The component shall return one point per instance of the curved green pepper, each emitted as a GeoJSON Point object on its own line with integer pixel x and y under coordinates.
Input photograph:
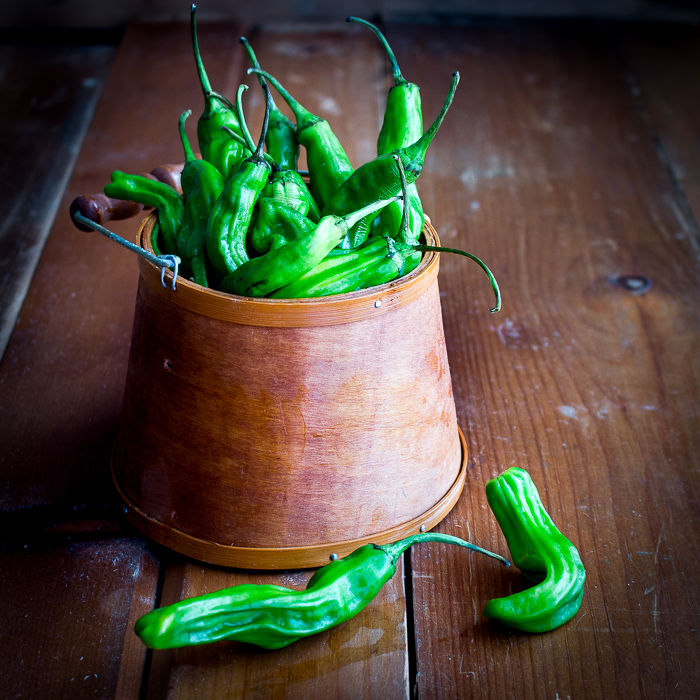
{"type": "Point", "coordinates": [202, 183]}
{"type": "Point", "coordinates": [540, 551]}
{"type": "Point", "coordinates": [274, 616]}
{"type": "Point", "coordinates": [163, 198]}
{"type": "Point", "coordinates": [375, 262]}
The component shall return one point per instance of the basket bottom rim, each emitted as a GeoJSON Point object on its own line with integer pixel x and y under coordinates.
{"type": "Point", "coordinates": [274, 558]}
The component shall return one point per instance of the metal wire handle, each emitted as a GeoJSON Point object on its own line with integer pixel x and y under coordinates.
{"type": "Point", "coordinates": [162, 261]}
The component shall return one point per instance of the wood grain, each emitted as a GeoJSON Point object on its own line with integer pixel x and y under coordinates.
{"type": "Point", "coordinates": [663, 62]}
{"type": "Point", "coordinates": [49, 95]}
{"type": "Point", "coordinates": [66, 626]}
{"type": "Point", "coordinates": [272, 558]}
{"type": "Point", "coordinates": [557, 185]}
{"type": "Point", "coordinates": [564, 178]}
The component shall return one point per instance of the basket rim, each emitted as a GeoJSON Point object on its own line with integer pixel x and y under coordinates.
{"type": "Point", "coordinates": [314, 311]}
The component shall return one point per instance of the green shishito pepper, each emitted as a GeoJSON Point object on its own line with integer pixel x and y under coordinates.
{"type": "Point", "coordinates": [202, 184]}
{"type": "Point", "coordinates": [402, 125]}
{"type": "Point", "coordinates": [262, 275]}
{"type": "Point", "coordinates": [379, 178]}
{"type": "Point", "coordinates": [163, 198]}
{"type": "Point", "coordinates": [275, 225]}
{"type": "Point", "coordinates": [288, 187]}
{"type": "Point", "coordinates": [216, 147]}
{"type": "Point", "coordinates": [329, 165]}
{"type": "Point", "coordinates": [281, 139]}
{"type": "Point", "coordinates": [232, 213]}
{"type": "Point", "coordinates": [273, 617]}
{"type": "Point", "coordinates": [540, 551]}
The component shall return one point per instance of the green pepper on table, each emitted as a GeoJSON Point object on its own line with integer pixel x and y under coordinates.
{"type": "Point", "coordinates": [540, 551]}
{"type": "Point", "coordinates": [273, 617]}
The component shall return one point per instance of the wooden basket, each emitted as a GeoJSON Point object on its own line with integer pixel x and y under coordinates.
{"type": "Point", "coordinates": [268, 434]}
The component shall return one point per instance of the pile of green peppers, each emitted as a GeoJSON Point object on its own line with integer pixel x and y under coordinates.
{"type": "Point", "coordinates": [247, 222]}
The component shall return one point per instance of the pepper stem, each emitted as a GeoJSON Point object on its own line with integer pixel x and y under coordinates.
{"type": "Point", "coordinates": [351, 219]}
{"type": "Point", "coordinates": [263, 132]}
{"type": "Point", "coordinates": [236, 137]}
{"type": "Point", "coordinates": [396, 549]}
{"type": "Point", "coordinates": [189, 153]}
{"type": "Point", "coordinates": [239, 139]}
{"type": "Point", "coordinates": [304, 118]}
{"type": "Point", "coordinates": [412, 156]}
{"type": "Point", "coordinates": [398, 77]}
{"type": "Point", "coordinates": [241, 118]}
{"type": "Point", "coordinates": [404, 193]}
{"type": "Point", "coordinates": [257, 150]}
{"type": "Point", "coordinates": [256, 64]}
{"type": "Point", "coordinates": [480, 263]}
{"type": "Point", "coordinates": [203, 78]}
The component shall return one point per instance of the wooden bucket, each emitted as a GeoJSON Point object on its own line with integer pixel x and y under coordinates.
{"type": "Point", "coordinates": [269, 434]}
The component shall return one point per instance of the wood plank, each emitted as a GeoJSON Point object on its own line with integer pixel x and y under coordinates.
{"type": "Point", "coordinates": [664, 64]}
{"type": "Point", "coordinates": [545, 169]}
{"type": "Point", "coordinates": [66, 627]}
{"type": "Point", "coordinates": [364, 657]}
{"type": "Point", "coordinates": [62, 378]}
{"type": "Point", "coordinates": [49, 95]}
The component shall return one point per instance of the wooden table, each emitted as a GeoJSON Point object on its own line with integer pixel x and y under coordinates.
{"type": "Point", "coordinates": [569, 162]}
